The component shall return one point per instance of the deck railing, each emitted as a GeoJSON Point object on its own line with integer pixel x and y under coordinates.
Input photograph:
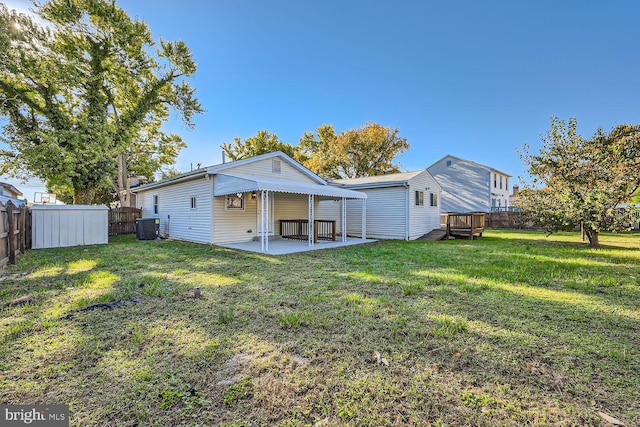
{"type": "Point", "coordinates": [464, 224]}
{"type": "Point", "coordinates": [298, 229]}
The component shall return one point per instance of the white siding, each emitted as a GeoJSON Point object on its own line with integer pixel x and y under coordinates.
{"type": "Point", "coordinates": [290, 206]}
{"type": "Point", "coordinates": [465, 186]}
{"type": "Point", "coordinates": [264, 168]}
{"type": "Point", "coordinates": [331, 210]}
{"type": "Point", "coordinates": [423, 219]}
{"type": "Point", "coordinates": [235, 225]}
{"type": "Point", "coordinates": [386, 213]}
{"type": "Point", "coordinates": [177, 219]}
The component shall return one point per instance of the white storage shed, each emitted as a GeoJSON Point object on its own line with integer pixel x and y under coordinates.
{"type": "Point", "coordinates": [56, 226]}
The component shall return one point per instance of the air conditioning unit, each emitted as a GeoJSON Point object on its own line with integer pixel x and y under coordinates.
{"type": "Point", "coordinates": [147, 228]}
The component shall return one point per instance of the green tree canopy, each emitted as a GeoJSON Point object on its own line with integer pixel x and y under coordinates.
{"type": "Point", "coordinates": [578, 181]}
{"type": "Point", "coordinates": [86, 94]}
{"type": "Point", "coordinates": [263, 142]}
{"type": "Point", "coordinates": [367, 151]}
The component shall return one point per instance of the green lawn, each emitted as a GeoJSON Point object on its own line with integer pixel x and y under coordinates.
{"type": "Point", "coordinates": [513, 329]}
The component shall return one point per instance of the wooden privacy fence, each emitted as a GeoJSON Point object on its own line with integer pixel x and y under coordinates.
{"type": "Point", "coordinates": [15, 232]}
{"type": "Point", "coordinates": [123, 220]}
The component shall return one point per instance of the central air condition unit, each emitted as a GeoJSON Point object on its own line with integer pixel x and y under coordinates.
{"type": "Point", "coordinates": [147, 228]}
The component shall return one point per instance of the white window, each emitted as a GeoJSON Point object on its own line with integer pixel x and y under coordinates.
{"type": "Point", "coordinates": [155, 204]}
{"type": "Point", "coordinates": [194, 204]}
{"type": "Point", "coordinates": [433, 198]}
{"type": "Point", "coordinates": [419, 198]}
{"type": "Point", "coordinates": [235, 202]}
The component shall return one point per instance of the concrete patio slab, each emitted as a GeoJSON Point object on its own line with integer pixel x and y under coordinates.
{"type": "Point", "coordinates": [285, 246]}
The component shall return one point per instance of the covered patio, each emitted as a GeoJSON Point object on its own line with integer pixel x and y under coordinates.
{"type": "Point", "coordinates": [285, 246]}
{"type": "Point", "coordinates": [305, 237]}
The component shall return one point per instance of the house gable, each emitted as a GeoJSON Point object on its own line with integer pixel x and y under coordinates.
{"type": "Point", "coordinates": [276, 165]}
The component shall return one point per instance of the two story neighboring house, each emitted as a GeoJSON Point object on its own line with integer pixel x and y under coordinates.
{"type": "Point", "coordinates": [9, 193]}
{"type": "Point", "coordinates": [468, 186]}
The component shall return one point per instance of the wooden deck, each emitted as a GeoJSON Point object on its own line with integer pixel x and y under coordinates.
{"type": "Point", "coordinates": [298, 229]}
{"type": "Point", "coordinates": [466, 225]}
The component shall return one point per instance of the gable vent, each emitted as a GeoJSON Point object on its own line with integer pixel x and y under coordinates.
{"type": "Point", "coordinates": [276, 166]}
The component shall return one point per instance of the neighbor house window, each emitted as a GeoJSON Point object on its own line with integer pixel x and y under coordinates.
{"type": "Point", "coordinates": [276, 166]}
{"type": "Point", "coordinates": [419, 198]}
{"type": "Point", "coordinates": [495, 181]}
{"type": "Point", "coordinates": [501, 182]}
{"type": "Point", "coordinates": [433, 199]}
{"type": "Point", "coordinates": [448, 162]}
{"type": "Point", "coordinates": [155, 204]}
{"type": "Point", "coordinates": [235, 201]}
{"type": "Point", "coordinates": [193, 202]}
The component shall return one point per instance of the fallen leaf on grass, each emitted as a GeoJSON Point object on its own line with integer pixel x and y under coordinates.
{"type": "Point", "coordinates": [530, 367]}
{"type": "Point", "coordinates": [610, 419]}
{"type": "Point", "coordinates": [380, 360]}
{"type": "Point", "coordinates": [457, 354]}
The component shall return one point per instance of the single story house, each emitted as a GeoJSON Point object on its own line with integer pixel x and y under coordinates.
{"type": "Point", "coordinates": [399, 206]}
{"type": "Point", "coordinates": [468, 186]}
{"type": "Point", "coordinates": [256, 198]}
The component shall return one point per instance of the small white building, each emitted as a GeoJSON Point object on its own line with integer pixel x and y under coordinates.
{"type": "Point", "coordinates": [399, 206]}
{"type": "Point", "coordinates": [468, 186]}
{"type": "Point", "coordinates": [246, 200]}
{"type": "Point", "coordinates": [58, 226]}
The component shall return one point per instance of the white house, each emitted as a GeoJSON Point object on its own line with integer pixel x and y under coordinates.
{"type": "Point", "coordinates": [9, 193]}
{"type": "Point", "coordinates": [468, 186]}
{"type": "Point", "coordinates": [399, 206]}
{"type": "Point", "coordinates": [257, 198]}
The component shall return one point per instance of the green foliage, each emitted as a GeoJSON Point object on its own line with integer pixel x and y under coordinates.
{"type": "Point", "coordinates": [84, 89]}
{"type": "Point", "coordinates": [237, 392]}
{"type": "Point", "coordinates": [264, 142]}
{"type": "Point", "coordinates": [579, 181]}
{"type": "Point", "coordinates": [225, 315]}
{"type": "Point", "coordinates": [367, 151]}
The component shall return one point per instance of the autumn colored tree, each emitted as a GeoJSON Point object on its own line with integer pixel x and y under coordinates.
{"type": "Point", "coordinates": [367, 151]}
{"type": "Point", "coordinates": [85, 96]}
{"type": "Point", "coordinates": [580, 182]}
{"type": "Point", "coordinates": [263, 142]}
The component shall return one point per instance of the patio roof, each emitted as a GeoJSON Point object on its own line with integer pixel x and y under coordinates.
{"type": "Point", "coordinates": [229, 184]}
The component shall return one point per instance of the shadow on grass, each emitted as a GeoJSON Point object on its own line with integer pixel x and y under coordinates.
{"type": "Point", "coordinates": [462, 340]}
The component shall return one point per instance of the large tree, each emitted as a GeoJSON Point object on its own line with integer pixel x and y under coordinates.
{"type": "Point", "coordinates": [580, 182]}
{"type": "Point", "coordinates": [263, 142]}
{"type": "Point", "coordinates": [85, 96]}
{"type": "Point", "coordinates": [367, 151]}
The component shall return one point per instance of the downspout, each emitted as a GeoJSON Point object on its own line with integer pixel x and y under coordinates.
{"type": "Point", "coordinates": [406, 215]}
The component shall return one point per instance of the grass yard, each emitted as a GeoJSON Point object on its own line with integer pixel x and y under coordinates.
{"type": "Point", "coordinates": [513, 329]}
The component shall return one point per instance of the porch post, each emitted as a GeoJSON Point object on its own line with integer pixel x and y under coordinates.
{"type": "Point", "coordinates": [264, 220]}
{"type": "Point", "coordinates": [311, 222]}
{"type": "Point", "coordinates": [344, 219]}
{"type": "Point", "coordinates": [364, 219]}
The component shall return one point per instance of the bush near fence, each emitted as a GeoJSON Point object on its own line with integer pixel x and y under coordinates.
{"type": "Point", "coordinates": [15, 232]}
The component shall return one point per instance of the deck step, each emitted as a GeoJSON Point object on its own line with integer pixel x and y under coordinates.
{"type": "Point", "coordinates": [434, 235]}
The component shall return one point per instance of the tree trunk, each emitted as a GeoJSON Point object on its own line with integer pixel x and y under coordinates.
{"type": "Point", "coordinates": [123, 182]}
{"type": "Point", "coordinates": [83, 196]}
{"type": "Point", "coordinates": [594, 241]}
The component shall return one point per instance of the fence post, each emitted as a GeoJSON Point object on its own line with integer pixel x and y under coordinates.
{"type": "Point", "coordinates": [11, 234]}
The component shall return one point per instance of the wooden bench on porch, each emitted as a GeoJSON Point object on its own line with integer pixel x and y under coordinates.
{"type": "Point", "coordinates": [463, 224]}
{"type": "Point", "coordinates": [298, 229]}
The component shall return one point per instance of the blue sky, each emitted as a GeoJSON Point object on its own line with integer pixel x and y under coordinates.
{"type": "Point", "coordinates": [476, 79]}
